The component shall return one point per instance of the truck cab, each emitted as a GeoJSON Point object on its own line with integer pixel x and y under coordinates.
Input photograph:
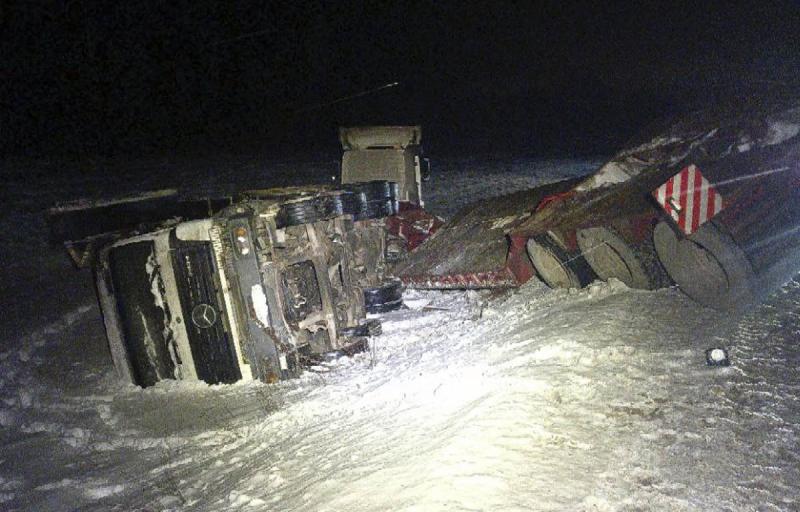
{"type": "Point", "coordinates": [391, 153]}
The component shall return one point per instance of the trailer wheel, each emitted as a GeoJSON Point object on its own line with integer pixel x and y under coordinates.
{"type": "Point", "coordinates": [611, 256]}
{"type": "Point", "coordinates": [708, 266]}
{"type": "Point", "coordinates": [384, 298]}
{"type": "Point", "coordinates": [555, 266]}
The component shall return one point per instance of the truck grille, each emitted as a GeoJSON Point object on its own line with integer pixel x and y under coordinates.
{"type": "Point", "coordinates": [212, 350]}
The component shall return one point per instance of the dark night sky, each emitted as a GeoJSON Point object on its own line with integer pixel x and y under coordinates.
{"type": "Point", "coordinates": [529, 77]}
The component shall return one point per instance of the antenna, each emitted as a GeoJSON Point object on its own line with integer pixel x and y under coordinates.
{"type": "Point", "coordinates": [346, 98]}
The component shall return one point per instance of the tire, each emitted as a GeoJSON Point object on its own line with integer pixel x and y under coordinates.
{"type": "Point", "coordinates": [610, 255]}
{"type": "Point", "coordinates": [384, 298]}
{"type": "Point", "coordinates": [357, 345]}
{"type": "Point", "coordinates": [352, 202]}
{"type": "Point", "coordinates": [708, 266]}
{"type": "Point", "coordinates": [366, 328]}
{"type": "Point", "coordinates": [310, 210]}
{"type": "Point", "coordinates": [376, 199]}
{"type": "Point", "coordinates": [377, 210]}
{"type": "Point", "coordinates": [375, 190]}
{"type": "Point", "coordinates": [555, 266]}
{"type": "Point", "coordinates": [395, 190]}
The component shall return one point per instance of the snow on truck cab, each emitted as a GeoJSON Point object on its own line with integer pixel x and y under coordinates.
{"type": "Point", "coordinates": [228, 298]}
{"type": "Point", "coordinates": [254, 288]}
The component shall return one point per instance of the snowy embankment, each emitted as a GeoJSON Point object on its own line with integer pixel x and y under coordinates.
{"type": "Point", "coordinates": [596, 399]}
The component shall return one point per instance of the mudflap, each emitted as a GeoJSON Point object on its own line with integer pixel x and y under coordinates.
{"type": "Point", "coordinates": [473, 251]}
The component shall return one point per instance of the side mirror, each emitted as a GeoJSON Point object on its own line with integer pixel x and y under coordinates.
{"type": "Point", "coordinates": [426, 169]}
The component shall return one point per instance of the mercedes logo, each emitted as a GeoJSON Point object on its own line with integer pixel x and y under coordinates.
{"type": "Point", "coordinates": [204, 316]}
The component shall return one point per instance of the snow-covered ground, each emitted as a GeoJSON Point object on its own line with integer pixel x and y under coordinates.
{"type": "Point", "coordinates": [597, 399]}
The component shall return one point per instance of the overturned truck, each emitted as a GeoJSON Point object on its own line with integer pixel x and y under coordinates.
{"type": "Point", "coordinates": [257, 284]}
{"type": "Point", "coordinates": [246, 287]}
{"type": "Point", "coordinates": [247, 293]}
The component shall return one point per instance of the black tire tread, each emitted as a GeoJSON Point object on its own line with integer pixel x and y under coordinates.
{"type": "Point", "coordinates": [387, 297]}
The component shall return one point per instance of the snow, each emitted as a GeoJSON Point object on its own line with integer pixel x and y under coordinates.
{"type": "Point", "coordinates": [260, 305]}
{"type": "Point", "coordinates": [782, 127]}
{"type": "Point", "coordinates": [630, 162]}
{"type": "Point", "coordinates": [594, 399]}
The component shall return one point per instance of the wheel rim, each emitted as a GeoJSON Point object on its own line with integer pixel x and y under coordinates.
{"type": "Point", "coordinates": [549, 267]}
{"type": "Point", "coordinates": [609, 256]}
{"type": "Point", "coordinates": [709, 267]}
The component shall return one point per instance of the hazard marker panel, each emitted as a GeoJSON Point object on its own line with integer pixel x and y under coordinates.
{"type": "Point", "coordinates": [689, 199]}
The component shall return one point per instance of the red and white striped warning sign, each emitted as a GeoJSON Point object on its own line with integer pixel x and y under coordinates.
{"type": "Point", "coordinates": [689, 198]}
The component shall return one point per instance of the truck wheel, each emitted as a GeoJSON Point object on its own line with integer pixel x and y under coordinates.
{"type": "Point", "coordinates": [709, 266]}
{"type": "Point", "coordinates": [352, 202]}
{"type": "Point", "coordinates": [377, 209]}
{"type": "Point", "coordinates": [371, 327]}
{"type": "Point", "coordinates": [295, 213]}
{"type": "Point", "coordinates": [610, 255]}
{"type": "Point", "coordinates": [375, 190]}
{"type": "Point", "coordinates": [309, 210]}
{"type": "Point", "coordinates": [555, 266]}
{"type": "Point", "coordinates": [384, 298]}
{"type": "Point", "coordinates": [378, 199]}
{"type": "Point", "coordinates": [357, 344]}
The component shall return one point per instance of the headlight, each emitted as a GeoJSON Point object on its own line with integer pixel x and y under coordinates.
{"type": "Point", "coordinates": [241, 241]}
